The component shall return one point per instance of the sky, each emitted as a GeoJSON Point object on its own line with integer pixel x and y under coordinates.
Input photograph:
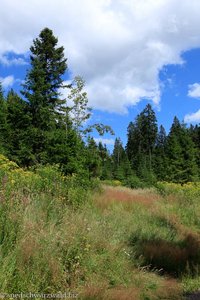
{"type": "Point", "coordinates": [129, 53]}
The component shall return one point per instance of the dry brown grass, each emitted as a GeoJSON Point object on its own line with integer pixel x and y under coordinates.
{"type": "Point", "coordinates": [169, 290]}
{"type": "Point", "coordinates": [29, 247]}
{"type": "Point", "coordinates": [103, 293]}
{"type": "Point", "coordinates": [170, 257]}
{"type": "Point", "coordinates": [125, 197]}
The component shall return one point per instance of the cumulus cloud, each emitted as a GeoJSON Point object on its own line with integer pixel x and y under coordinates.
{"type": "Point", "coordinates": [118, 46]}
{"type": "Point", "coordinates": [194, 90]}
{"type": "Point", "coordinates": [105, 141]}
{"type": "Point", "coordinates": [12, 61]}
{"type": "Point", "coordinates": [193, 118]}
{"type": "Point", "coordinates": [7, 81]}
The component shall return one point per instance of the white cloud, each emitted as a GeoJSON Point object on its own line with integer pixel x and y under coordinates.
{"type": "Point", "coordinates": [12, 61]}
{"type": "Point", "coordinates": [118, 46]}
{"type": "Point", "coordinates": [105, 141]}
{"type": "Point", "coordinates": [193, 118]}
{"type": "Point", "coordinates": [7, 81]}
{"type": "Point", "coordinates": [194, 90]}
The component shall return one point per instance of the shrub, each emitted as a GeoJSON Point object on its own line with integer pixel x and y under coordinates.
{"type": "Point", "coordinates": [134, 182]}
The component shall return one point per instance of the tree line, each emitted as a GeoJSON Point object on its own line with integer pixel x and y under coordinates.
{"type": "Point", "coordinates": [151, 155]}
{"type": "Point", "coordinates": [155, 156]}
{"type": "Point", "coordinates": [39, 127]}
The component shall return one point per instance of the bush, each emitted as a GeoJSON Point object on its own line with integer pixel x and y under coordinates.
{"type": "Point", "coordinates": [134, 182]}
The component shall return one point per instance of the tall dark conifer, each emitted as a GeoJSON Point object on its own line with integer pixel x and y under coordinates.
{"type": "Point", "coordinates": [181, 154]}
{"type": "Point", "coordinates": [106, 162]}
{"type": "Point", "coordinates": [160, 160]}
{"type": "Point", "coordinates": [141, 141]}
{"type": "Point", "coordinates": [194, 132]}
{"type": "Point", "coordinates": [121, 164]}
{"type": "Point", "coordinates": [3, 131]}
{"type": "Point", "coordinates": [148, 127]}
{"type": "Point", "coordinates": [18, 126]}
{"type": "Point", "coordinates": [41, 89]}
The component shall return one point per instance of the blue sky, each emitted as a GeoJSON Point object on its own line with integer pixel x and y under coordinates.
{"type": "Point", "coordinates": [176, 81]}
{"type": "Point", "coordinates": [129, 52]}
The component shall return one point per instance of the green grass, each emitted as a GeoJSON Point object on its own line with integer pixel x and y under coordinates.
{"type": "Point", "coordinates": [62, 233]}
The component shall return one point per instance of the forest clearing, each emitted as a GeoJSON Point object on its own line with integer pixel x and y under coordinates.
{"type": "Point", "coordinates": [104, 242]}
{"type": "Point", "coordinates": [90, 217]}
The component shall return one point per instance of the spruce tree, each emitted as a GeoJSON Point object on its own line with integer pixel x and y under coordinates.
{"type": "Point", "coordinates": [3, 130]}
{"type": "Point", "coordinates": [41, 89]}
{"type": "Point", "coordinates": [160, 160]}
{"type": "Point", "coordinates": [194, 132]}
{"type": "Point", "coordinates": [121, 164]}
{"type": "Point", "coordinates": [148, 128]}
{"type": "Point", "coordinates": [141, 142]}
{"type": "Point", "coordinates": [18, 129]}
{"type": "Point", "coordinates": [181, 154]}
{"type": "Point", "coordinates": [93, 163]}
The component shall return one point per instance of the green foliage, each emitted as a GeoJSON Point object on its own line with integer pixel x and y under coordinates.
{"type": "Point", "coordinates": [41, 89]}
{"type": "Point", "coordinates": [45, 77]}
{"type": "Point", "coordinates": [156, 156]}
{"type": "Point", "coordinates": [181, 154]}
{"type": "Point", "coordinates": [121, 166]}
{"type": "Point", "coordinates": [159, 155]}
{"type": "Point", "coordinates": [141, 141]}
{"type": "Point", "coordinates": [80, 112]}
{"type": "Point", "coordinates": [134, 182]}
{"type": "Point", "coordinates": [45, 129]}
{"type": "Point", "coordinates": [93, 162]}
{"type": "Point", "coordinates": [112, 182]}
{"type": "Point", "coordinates": [18, 122]}
{"type": "Point", "coordinates": [3, 125]}
{"type": "Point", "coordinates": [194, 132]}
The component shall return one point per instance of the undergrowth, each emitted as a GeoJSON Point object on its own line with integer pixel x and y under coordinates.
{"type": "Point", "coordinates": [64, 233]}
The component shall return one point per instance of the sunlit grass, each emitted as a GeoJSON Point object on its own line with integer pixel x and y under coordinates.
{"type": "Point", "coordinates": [57, 234]}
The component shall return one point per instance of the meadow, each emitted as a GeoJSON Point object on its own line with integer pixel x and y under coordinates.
{"type": "Point", "coordinates": [64, 233]}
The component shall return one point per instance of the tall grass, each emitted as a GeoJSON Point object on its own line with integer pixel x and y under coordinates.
{"type": "Point", "coordinates": [61, 233]}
